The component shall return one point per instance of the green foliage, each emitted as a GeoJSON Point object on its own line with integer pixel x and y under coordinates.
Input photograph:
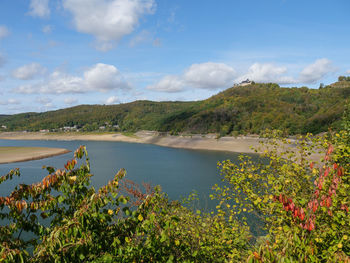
{"type": "Point", "coordinates": [343, 78]}
{"type": "Point", "coordinates": [241, 109]}
{"type": "Point", "coordinates": [298, 189]}
{"type": "Point", "coordinates": [303, 204]}
{"type": "Point", "coordinates": [71, 222]}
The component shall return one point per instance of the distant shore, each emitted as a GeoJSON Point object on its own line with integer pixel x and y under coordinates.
{"type": "Point", "coordinates": [22, 154]}
{"type": "Point", "coordinates": [240, 144]}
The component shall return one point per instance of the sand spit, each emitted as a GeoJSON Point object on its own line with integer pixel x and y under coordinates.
{"type": "Point", "coordinates": [22, 154]}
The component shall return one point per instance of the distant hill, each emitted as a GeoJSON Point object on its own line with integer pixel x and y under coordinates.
{"type": "Point", "coordinates": [240, 109]}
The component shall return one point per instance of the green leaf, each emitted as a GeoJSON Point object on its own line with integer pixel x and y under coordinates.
{"type": "Point", "coordinates": [60, 199]}
{"type": "Point", "coordinates": [171, 259]}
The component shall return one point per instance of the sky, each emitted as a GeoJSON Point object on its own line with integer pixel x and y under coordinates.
{"type": "Point", "coordinates": [60, 53]}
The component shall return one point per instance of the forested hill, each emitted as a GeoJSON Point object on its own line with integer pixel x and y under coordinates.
{"type": "Point", "coordinates": [240, 109]}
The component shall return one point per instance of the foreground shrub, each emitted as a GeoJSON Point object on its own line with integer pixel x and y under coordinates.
{"type": "Point", "coordinates": [69, 221]}
{"type": "Point", "coordinates": [303, 204]}
{"type": "Point", "coordinates": [298, 193]}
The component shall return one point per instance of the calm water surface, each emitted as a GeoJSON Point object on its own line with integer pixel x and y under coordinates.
{"type": "Point", "coordinates": [177, 171]}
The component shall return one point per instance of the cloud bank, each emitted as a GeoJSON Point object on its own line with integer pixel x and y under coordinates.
{"type": "Point", "coordinates": [99, 78]}
{"type": "Point", "coordinates": [39, 8]}
{"type": "Point", "coordinates": [29, 71]}
{"type": "Point", "coordinates": [213, 76]}
{"type": "Point", "coordinates": [70, 101]}
{"type": "Point", "coordinates": [266, 73]}
{"type": "Point", "coordinates": [209, 75]}
{"type": "Point", "coordinates": [170, 83]}
{"type": "Point", "coordinates": [316, 71]}
{"type": "Point", "coordinates": [108, 20]}
{"type": "Point", "coordinates": [112, 100]}
{"type": "Point", "coordinates": [10, 102]}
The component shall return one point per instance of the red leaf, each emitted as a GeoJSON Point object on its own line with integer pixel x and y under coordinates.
{"type": "Point", "coordinates": [311, 165]}
{"type": "Point", "coordinates": [302, 214]}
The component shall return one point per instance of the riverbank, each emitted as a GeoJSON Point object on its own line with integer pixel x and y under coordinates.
{"type": "Point", "coordinates": [22, 154]}
{"type": "Point", "coordinates": [240, 144]}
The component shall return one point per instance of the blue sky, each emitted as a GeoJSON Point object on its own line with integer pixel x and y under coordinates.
{"type": "Point", "coordinates": [60, 53]}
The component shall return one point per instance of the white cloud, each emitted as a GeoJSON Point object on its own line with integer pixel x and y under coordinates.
{"type": "Point", "coordinates": [39, 8]}
{"type": "Point", "coordinates": [209, 76]}
{"type": "Point", "coordinates": [104, 78]}
{"type": "Point", "coordinates": [57, 83]}
{"type": "Point", "coordinates": [108, 20]}
{"type": "Point", "coordinates": [316, 71]}
{"type": "Point", "coordinates": [29, 71]}
{"type": "Point", "coordinates": [267, 73]}
{"type": "Point", "coordinates": [168, 83]}
{"type": "Point", "coordinates": [4, 32]}
{"type": "Point", "coordinates": [112, 100]}
{"type": "Point", "coordinates": [70, 101]}
{"type": "Point", "coordinates": [100, 78]}
{"type": "Point", "coordinates": [348, 71]}
{"type": "Point", "coordinates": [213, 76]}
{"type": "Point", "coordinates": [10, 102]}
{"type": "Point", "coordinates": [43, 100]}
{"type": "Point", "coordinates": [47, 29]}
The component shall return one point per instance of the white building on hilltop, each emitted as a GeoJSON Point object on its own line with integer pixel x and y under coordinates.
{"type": "Point", "coordinates": [244, 83]}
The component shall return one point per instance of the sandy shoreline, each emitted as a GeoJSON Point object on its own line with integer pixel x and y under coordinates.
{"type": "Point", "coordinates": [22, 154]}
{"type": "Point", "coordinates": [240, 144]}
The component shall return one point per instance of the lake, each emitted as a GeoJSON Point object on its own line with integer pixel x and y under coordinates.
{"type": "Point", "coordinates": [177, 171]}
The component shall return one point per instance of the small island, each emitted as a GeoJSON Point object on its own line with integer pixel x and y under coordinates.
{"type": "Point", "coordinates": [21, 154]}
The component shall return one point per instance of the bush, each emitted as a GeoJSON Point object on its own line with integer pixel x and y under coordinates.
{"type": "Point", "coordinates": [71, 222]}
{"type": "Point", "coordinates": [303, 204]}
{"type": "Point", "coordinates": [299, 191]}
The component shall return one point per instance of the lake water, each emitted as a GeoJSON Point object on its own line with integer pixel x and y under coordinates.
{"type": "Point", "coordinates": [177, 171]}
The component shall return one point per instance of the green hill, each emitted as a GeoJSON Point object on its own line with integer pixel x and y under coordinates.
{"type": "Point", "coordinates": [240, 109]}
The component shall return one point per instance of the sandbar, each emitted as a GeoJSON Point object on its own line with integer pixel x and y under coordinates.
{"type": "Point", "coordinates": [22, 154]}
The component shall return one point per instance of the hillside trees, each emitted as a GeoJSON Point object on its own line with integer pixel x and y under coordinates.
{"type": "Point", "coordinates": [343, 78]}
{"type": "Point", "coordinates": [299, 190]}
{"type": "Point", "coordinates": [248, 109]}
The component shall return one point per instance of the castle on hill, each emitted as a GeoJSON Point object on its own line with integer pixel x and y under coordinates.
{"type": "Point", "coordinates": [244, 83]}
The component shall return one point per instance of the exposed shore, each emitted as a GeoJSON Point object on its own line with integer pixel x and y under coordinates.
{"type": "Point", "coordinates": [240, 144]}
{"type": "Point", "coordinates": [22, 154]}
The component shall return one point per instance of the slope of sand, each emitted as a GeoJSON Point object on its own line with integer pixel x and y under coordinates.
{"type": "Point", "coordinates": [203, 142]}
{"type": "Point", "coordinates": [240, 144]}
{"type": "Point", "coordinates": [21, 154]}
